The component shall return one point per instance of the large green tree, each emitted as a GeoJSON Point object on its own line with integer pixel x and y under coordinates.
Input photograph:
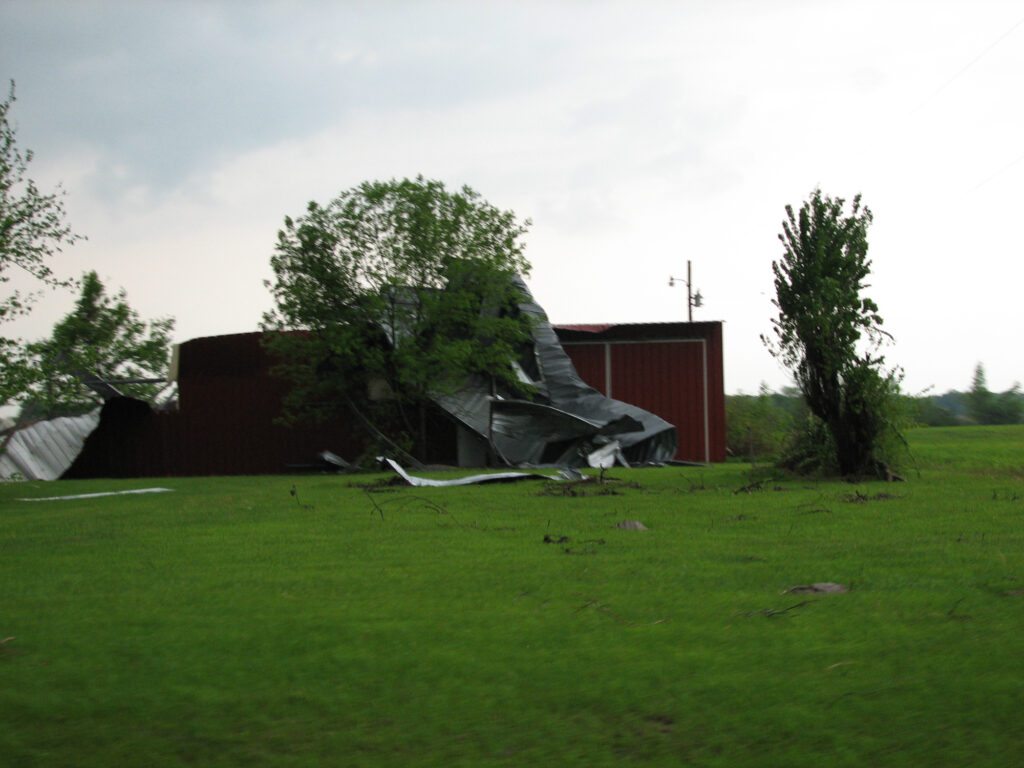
{"type": "Point", "coordinates": [405, 288]}
{"type": "Point", "coordinates": [32, 230]}
{"type": "Point", "coordinates": [102, 340]}
{"type": "Point", "coordinates": [828, 333]}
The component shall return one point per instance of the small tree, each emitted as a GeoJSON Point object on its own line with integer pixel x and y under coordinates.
{"type": "Point", "coordinates": [101, 338]}
{"type": "Point", "coordinates": [32, 231]}
{"type": "Point", "coordinates": [985, 407]}
{"type": "Point", "coordinates": [405, 289]}
{"type": "Point", "coordinates": [822, 327]}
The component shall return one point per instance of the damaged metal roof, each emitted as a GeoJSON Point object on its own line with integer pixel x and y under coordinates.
{"type": "Point", "coordinates": [44, 450]}
{"type": "Point", "coordinates": [566, 421]}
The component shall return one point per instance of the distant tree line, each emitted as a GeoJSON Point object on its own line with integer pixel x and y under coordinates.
{"type": "Point", "coordinates": [978, 405]}
{"type": "Point", "coordinates": [762, 425]}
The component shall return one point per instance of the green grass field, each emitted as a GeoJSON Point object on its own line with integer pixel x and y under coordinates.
{"type": "Point", "coordinates": [231, 623]}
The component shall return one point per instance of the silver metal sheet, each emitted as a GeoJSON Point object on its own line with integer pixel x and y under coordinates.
{"type": "Point", "coordinates": [566, 420]}
{"type": "Point", "coordinates": [44, 450]}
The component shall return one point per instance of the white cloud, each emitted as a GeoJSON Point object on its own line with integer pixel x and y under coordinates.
{"type": "Point", "coordinates": [636, 136]}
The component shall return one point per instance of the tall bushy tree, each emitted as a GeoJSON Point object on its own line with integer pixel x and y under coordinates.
{"type": "Point", "coordinates": [101, 338]}
{"type": "Point", "coordinates": [32, 230]}
{"type": "Point", "coordinates": [405, 289]}
{"type": "Point", "coordinates": [827, 333]}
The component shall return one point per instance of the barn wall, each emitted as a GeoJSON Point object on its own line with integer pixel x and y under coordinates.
{"type": "Point", "coordinates": [673, 370]}
{"type": "Point", "coordinates": [225, 425]}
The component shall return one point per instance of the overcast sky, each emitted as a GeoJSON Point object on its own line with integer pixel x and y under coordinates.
{"type": "Point", "coordinates": [636, 135]}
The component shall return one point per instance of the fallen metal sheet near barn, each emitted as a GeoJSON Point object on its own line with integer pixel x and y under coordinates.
{"type": "Point", "coordinates": [566, 421]}
{"type": "Point", "coordinates": [133, 492]}
{"type": "Point", "coordinates": [492, 477]}
{"type": "Point", "coordinates": [44, 450]}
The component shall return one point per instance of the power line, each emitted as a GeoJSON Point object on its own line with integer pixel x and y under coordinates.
{"type": "Point", "coordinates": [969, 64]}
{"type": "Point", "coordinates": [1006, 167]}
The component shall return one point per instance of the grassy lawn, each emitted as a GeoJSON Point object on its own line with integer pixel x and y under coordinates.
{"type": "Point", "coordinates": [232, 623]}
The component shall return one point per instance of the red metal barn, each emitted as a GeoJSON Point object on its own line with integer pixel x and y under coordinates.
{"type": "Point", "coordinates": [226, 422]}
{"type": "Point", "coordinates": [671, 369]}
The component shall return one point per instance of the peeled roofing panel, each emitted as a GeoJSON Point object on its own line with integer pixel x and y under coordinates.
{"type": "Point", "coordinates": [44, 450]}
{"type": "Point", "coordinates": [565, 408]}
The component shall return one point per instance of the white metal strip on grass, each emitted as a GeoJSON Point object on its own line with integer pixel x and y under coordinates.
{"type": "Point", "coordinates": [97, 495]}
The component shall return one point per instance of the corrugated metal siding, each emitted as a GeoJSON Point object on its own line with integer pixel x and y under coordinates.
{"type": "Point", "coordinates": [716, 392]}
{"type": "Point", "coordinates": [42, 451]}
{"type": "Point", "coordinates": [229, 402]}
{"type": "Point", "coordinates": [666, 378]}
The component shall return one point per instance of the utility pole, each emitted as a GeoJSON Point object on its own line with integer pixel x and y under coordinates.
{"type": "Point", "coordinates": [692, 299]}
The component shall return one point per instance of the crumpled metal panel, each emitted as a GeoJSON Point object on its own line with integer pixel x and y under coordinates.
{"type": "Point", "coordinates": [44, 450]}
{"type": "Point", "coordinates": [566, 420]}
{"type": "Point", "coordinates": [495, 477]}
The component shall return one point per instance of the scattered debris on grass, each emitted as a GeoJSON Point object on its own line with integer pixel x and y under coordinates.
{"type": "Point", "coordinates": [559, 540]}
{"type": "Point", "coordinates": [954, 616]}
{"type": "Point", "coordinates": [980, 536]}
{"type": "Point", "coordinates": [590, 549]}
{"type": "Point", "coordinates": [475, 526]}
{"type": "Point", "coordinates": [1010, 495]}
{"type": "Point", "coordinates": [813, 510]}
{"type": "Point", "coordinates": [757, 485]}
{"type": "Point", "coordinates": [818, 588]}
{"type": "Point", "coordinates": [588, 486]}
{"type": "Point", "coordinates": [662, 723]}
{"type": "Point", "coordinates": [701, 487]}
{"type": "Point", "coordinates": [860, 498]}
{"type": "Point", "coordinates": [295, 495]}
{"type": "Point", "coordinates": [598, 606]}
{"type": "Point", "coordinates": [872, 692]}
{"type": "Point", "coordinates": [404, 501]}
{"type": "Point", "coordinates": [382, 485]}
{"type": "Point", "coordinates": [739, 517]}
{"type": "Point", "coordinates": [771, 612]}
{"type": "Point", "coordinates": [631, 525]}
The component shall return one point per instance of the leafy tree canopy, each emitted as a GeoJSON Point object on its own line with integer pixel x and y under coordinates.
{"type": "Point", "coordinates": [406, 289]}
{"type": "Point", "coordinates": [32, 231]}
{"type": "Point", "coordinates": [822, 329]}
{"type": "Point", "coordinates": [102, 338]}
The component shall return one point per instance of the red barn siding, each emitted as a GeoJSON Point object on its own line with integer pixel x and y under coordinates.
{"type": "Point", "coordinates": [667, 379]}
{"type": "Point", "coordinates": [671, 369]}
{"type": "Point", "coordinates": [590, 363]}
{"type": "Point", "coordinates": [225, 424]}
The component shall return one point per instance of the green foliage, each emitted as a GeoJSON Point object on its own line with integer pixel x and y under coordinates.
{"type": "Point", "coordinates": [32, 231]}
{"type": "Point", "coordinates": [935, 410]}
{"type": "Point", "coordinates": [822, 326]}
{"type": "Point", "coordinates": [405, 289]}
{"type": "Point", "coordinates": [101, 337]}
{"type": "Point", "coordinates": [985, 407]}
{"type": "Point", "coordinates": [760, 426]}
{"type": "Point", "coordinates": [229, 623]}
